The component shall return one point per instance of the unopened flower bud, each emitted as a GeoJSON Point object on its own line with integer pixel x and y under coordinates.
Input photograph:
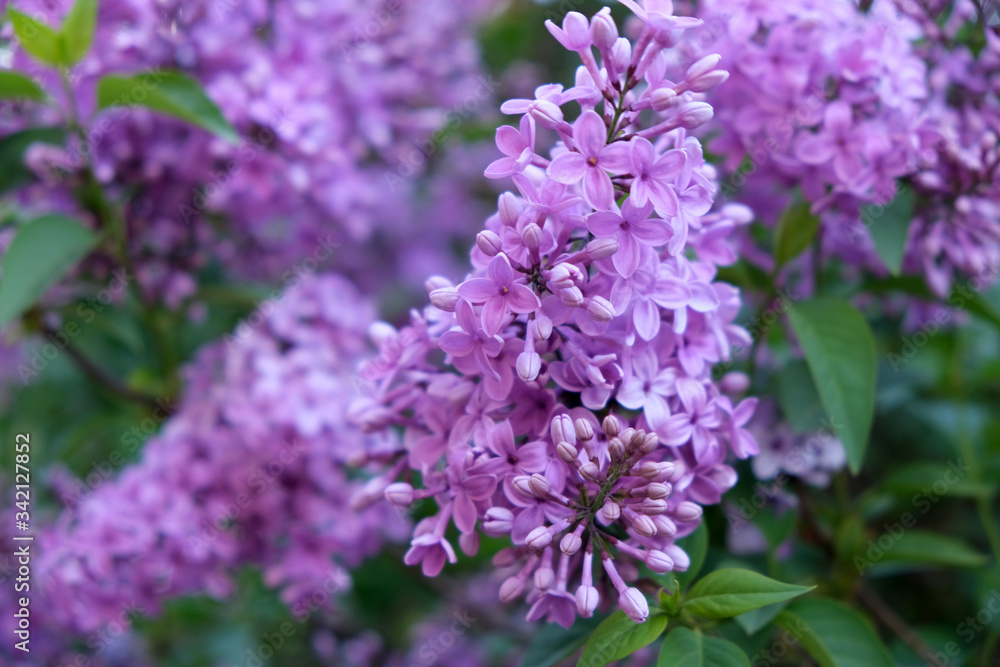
{"type": "Point", "coordinates": [659, 562]}
{"type": "Point", "coordinates": [704, 75]}
{"type": "Point", "coordinates": [575, 33]}
{"type": "Point", "coordinates": [546, 114]}
{"type": "Point", "coordinates": [603, 29]}
{"type": "Point", "coordinates": [562, 430]}
{"type": "Point", "coordinates": [600, 309]}
{"type": "Point", "coordinates": [649, 442]}
{"type": "Point", "coordinates": [626, 436]}
{"type": "Point", "coordinates": [543, 327]}
{"type": "Point", "coordinates": [681, 560]}
{"type": "Point", "coordinates": [662, 99]}
{"type": "Point", "coordinates": [509, 208]}
{"type": "Point", "coordinates": [657, 490]}
{"type": "Point", "coordinates": [572, 297]}
{"type": "Point", "coordinates": [498, 521]}
{"type": "Point", "coordinates": [643, 525]}
{"type": "Point", "coordinates": [381, 332]}
{"type": "Point", "coordinates": [489, 243]}
{"type": "Point", "coordinates": [634, 604]}
{"type": "Point", "coordinates": [708, 81]}
{"type": "Point", "coordinates": [610, 511]}
{"type": "Point", "coordinates": [539, 485]}
{"type": "Point", "coordinates": [584, 430]}
{"type": "Point", "coordinates": [590, 472]}
{"type": "Point", "coordinates": [621, 53]}
{"type": "Point", "coordinates": [437, 282]}
{"type": "Point", "coordinates": [664, 525]}
{"type": "Point", "coordinates": [611, 426]}
{"type": "Point", "coordinates": [735, 382]}
{"type": "Point", "coordinates": [688, 511]}
{"type": "Point", "coordinates": [695, 114]}
{"type": "Point", "coordinates": [565, 275]}
{"type": "Point", "coordinates": [539, 538]}
{"type": "Point", "coordinates": [616, 448]}
{"type": "Point", "coordinates": [445, 298]}
{"type": "Point", "coordinates": [511, 589]}
{"type": "Point", "coordinates": [544, 577]}
{"type": "Point", "coordinates": [399, 493]}
{"type": "Point", "coordinates": [587, 599]}
{"type": "Point", "coordinates": [567, 452]}
{"type": "Point", "coordinates": [602, 248]}
{"type": "Point", "coordinates": [532, 236]}
{"type": "Point", "coordinates": [522, 484]}
{"type": "Point", "coordinates": [570, 544]}
{"type": "Point", "coordinates": [653, 506]}
{"type": "Point", "coordinates": [529, 365]}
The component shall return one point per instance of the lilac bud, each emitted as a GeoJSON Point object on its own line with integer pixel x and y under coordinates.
{"type": "Point", "coordinates": [539, 538]}
{"type": "Point", "coordinates": [381, 332]}
{"type": "Point", "coordinates": [600, 309]}
{"type": "Point", "coordinates": [735, 382]}
{"type": "Point", "coordinates": [546, 114]}
{"type": "Point", "coordinates": [562, 430]}
{"type": "Point", "coordinates": [590, 472]}
{"type": "Point", "coordinates": [657, 490]}
{"type": "Point", "coordinates": [572, 297]}
{"type": "Point", "coordinates": [498, 521]}
{"type": "Point", "coordinates": [603, 29]}
{"type": "Point", "coordinates": [531, 236]}
{"type": "Point", "coordinates": [611, 426]}
{"type": "Point", "coordinates": [543, 328]}
{"type": "Point", "coordinates": [584, 429]}
{"type": "Point", "coordinates": [529, 365]}
{"type": "Point", "coordinates": [511, 589]}
{"type": "Point", "coordinates": [469, 543]}
{"type": "Point", "coordinates": [567, 452]}
{"type": "Point", "coordinates": [653, 506]}
{"type": "Point", "coordinates": [704, 75]}
{"type": "Point", "coordinates": [643, 525]}
{"type": "Point", "coordinates": [649, 442]}
{"type": "Point", "coordinates": [565, 275]}
{"type": "Point", "coordinates": [399, 493]}
{"type": "Point", "coordinates": [544, 577]}
{"type": "Point", "coordinates": [741, 214]}
{"type": "Point", "coordinates": [437, 282]}
{"type": "Point", "coordinates": [489, 243]}
{"type": "Point", "coordinates": [602, 248]}
{"type": "Point", "coordinates": [662, 99]}
{"type": "Point", "coordinates": [587, 599]}
{"type": "Point", "coordinates": [575, 33]}
{"type": "Point", "coordinates": [687, 511]}
{"type": "Point", "coordinates": [570, 544]}
{"type": "Point", "coordinates": [539, 485]}
{"type": "Point", "coordinates": [522, 484]}
{"type": "Point", "coordinates": [634, 604]}
{"type": "Point", "coordinates": [627, 435]}
{"type": "Point", "coordinates": [621, 53]}
{"type": "Point", "coordinates": [616, 448]}
{"type": "Point", "coordinates": [445, 298]}
{"type": "Point", "coordinates": [664, 525]}
{"type": "Point", "coordinates": [610, 511]}
{"type": "Point", "coordinates": [659, 562]}
{"type": "Point", "coordinates": [694, 114]}
{"type": "Point", "coordinates": [703, 66]}
{"type": "Point", "coordinates": [708, 81]}
{"type": "Point", "coordinates": [509, 207]}
{"type": "Point", "coordinates": [681, 560]}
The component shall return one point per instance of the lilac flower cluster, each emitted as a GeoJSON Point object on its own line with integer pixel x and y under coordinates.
{"type": "Point", "coordinates": [330, 98]}
{"type": "Point", "coordinates": [561, 394]}
{"type": "Point", "coordinates": [250, 470]}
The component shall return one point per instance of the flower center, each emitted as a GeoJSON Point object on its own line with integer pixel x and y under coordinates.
{"type": "Point", "coordinates": [592, 161]}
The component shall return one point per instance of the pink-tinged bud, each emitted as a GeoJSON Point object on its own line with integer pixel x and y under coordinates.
{"type": "Point", "coordinates": [575, 33]}
{"type": "Point", "coordinates": [616, 448]}
{"type": "Point", "coordinates": [539, 538]}
{"type": "Point", "coordinates": [489, 243]}
{"type": "Point", "coordinates": [381, 332]}
{"type": "Point", "coordinates": [653, 506]}
{"type": "Point", "coordinates": [621, 53]}
{"type": "Point", "coordinates": [610, 511]}
{"type": "Point", "coordinates": [662, 99]}
{"type": "Point", "coordinates": [437, 282]}
{"type": "Point", "coordinates": [522, 484]}
{"type": "Point", "coordinates": [600, 309]}
{"type": "Point", "coordinates": [643, 525]}
{"type": "Point", "coordinates": [570, 544]}
{"type": "Point", "coordinates": [544, 578]}
{"type": "Point", "coordinates": [445, 298]}
{"type": "Point", "coordinates": [509, 208]}
{"type": "Point", "coordinates": [587, 599]}
{"type": "Point", "coordinates": [499, 521]}
{"type": "Point", "coordinates": [634, 604]}
{"type": "Point", "coordinates": [540, 486]}
{"type": "Point", "coordinates": [665, 527]}
{"type": "Point", "coordinates": [546, 114]}
{"type": "Point", "coordinates": [511, 589]}
{"type": "Point", "coordinates": [741, 214]}
{"type": "Point", "coordinates": [565, 275]}
{"type": "Point", "coordinates": [603, 30]}
{"type": "Point", "coordinates": [562, 430]}
{"type": "Point", "coordinates": [531, 236]}
{"type": "Point", "coordinates": [611, 426]}
{"type": "Point", "coordinates": [687, 511]}
{"type": "Point", "coordinates": [626, 436]}
{"type": "Point", "coordinates": [658, 490]}
{"type": "Point", "coordinates": [602, 248]}
{"type": "Point", "coordinates": [681, 560]}
{"type": "Point", "coordinates": [584, 430]}
{"type": "Point", "coordinates": [469, 543]}
{"type": "Point", "coordinates": [399, 493]}
{"type": "Point", "coordinates": [572, 297]}
{"type": "Point", "coordinates": [659, 562]}
{"type": "Point", "coordinates": [708, 81]}
{"type": "Point", "coordinates": [543, 327]}
{"type": "Point", "coordinates": [529, 365]}
{"type": "Point", "coordinates": [735, 382]}
{"type": "Point", "coordinates": [703, 66]}
{"type": "Point", "coordinates": [567, 452]}
{"type": "Point", "coordinates": [650, 441]}
{"type": "Point", "coordinates": [695, 114]}
{"type": "Point", "coordinates": [590, 472]}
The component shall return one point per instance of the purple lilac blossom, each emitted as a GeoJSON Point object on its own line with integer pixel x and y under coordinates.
{"type": "Point", "coordinates": [573, 408]}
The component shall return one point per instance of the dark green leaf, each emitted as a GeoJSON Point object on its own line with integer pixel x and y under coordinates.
{"type": "Point", "coordinates": [752, 621]}
{"type": "Point", "coordinates": [834, 634]}
{"type": "Point", "coordinates": [619, 636]}
{"type": "Point", "coordinates": [170, 93]}
{"type": "Point", "coordinates": [39, 40]}
{"type": "Point", "coordinates": [796, 230]}
{"type": "Point", "coordinates": [17, 86]}
{"type": "Point", "coordinates": [690, 648]}
{"type": "Point", "coordinates": [42, 252]}
{"type": "Point", "coordinates": [840, 351]}
{"type": "Point", "coordinates": [77, 31]}
{"type": "Point", "coordinates": [799, 400]}
{"type": "Point", "coordinates": [553, 643]}
{"type": "Point", "coordinates": [12, 148]}
{"type": "Point", "coordinates": [925, 547]}
{"type": "Point", "coordinates": [914, 478]}
{"type": "Point", "coordinates": [889, 227]}
{"type": "Point", "coordinates": [731, 592]}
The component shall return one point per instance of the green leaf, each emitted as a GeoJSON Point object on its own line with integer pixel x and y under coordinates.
{"type": "Point", "coordinates": [553, 643]}
{"type": "Point", "coordinates": [913, 479]}
{"type": "Point", "coordinates": [925, 547]}
{"type": "Point", "coordinates": [690, 648]}
{"type": "Point", "coordinates": [695, 546]}
{"type": "Point", "coordinates": [39, 40]}
{"type": "Point", "coordinates": [168, 92]}
{"type": "Point", "coordinates": [834, 634]}
{"type": "Point", "coordinates": [796, 230]}
{"type": "Point", "coordinates": [618, 636]}
{"type": "Point", "coordinates": [840, 351]}
{"type": "Point", "coordinates": [12, 148]}
{"type": "Point", "coordinates": [42, 252]}
{"type": "Point", "coordinates": [799, 400]}
{"type": "Point", "coordinates": [889, 227]}
{"type": "Point", "coordinates": [17, 86]}
{"type": "Point", "coordinates": [77, 31]}
{"type": "Point", "coordinates": [752, 621]}
{"type": "Point", "coordinates": [731, 592]}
